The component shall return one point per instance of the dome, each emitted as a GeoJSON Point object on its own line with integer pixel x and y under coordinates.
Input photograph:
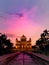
{"type": "Point", "coordinates": [23, 38]}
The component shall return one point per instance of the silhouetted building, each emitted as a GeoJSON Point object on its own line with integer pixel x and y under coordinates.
{"type": "Point", "coordinates": [23, 44]}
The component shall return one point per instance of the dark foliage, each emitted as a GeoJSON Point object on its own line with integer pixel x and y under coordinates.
{"type": "Point", "coordinates": [43, 42]}
{"type": "Point", "coordinates": [5, 44]}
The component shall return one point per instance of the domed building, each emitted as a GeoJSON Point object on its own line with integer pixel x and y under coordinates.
{"type": "Point", "coordinates": [23, 44]}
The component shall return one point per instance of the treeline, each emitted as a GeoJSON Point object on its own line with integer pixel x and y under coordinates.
{"type": "Point", "coordinates": [5, 44]}
{"type": "Point", "coordinates": [42, 44]}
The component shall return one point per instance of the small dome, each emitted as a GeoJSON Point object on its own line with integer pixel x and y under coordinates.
{"type": "Point", "coordinates": [16, 39]}
{"type": "Point", "coordinates": [30, 39]}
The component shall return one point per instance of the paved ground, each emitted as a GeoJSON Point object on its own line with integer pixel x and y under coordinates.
{"type": "Point", "coordinates": [23, 59]}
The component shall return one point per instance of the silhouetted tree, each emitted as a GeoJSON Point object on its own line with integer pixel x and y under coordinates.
{"type": "Point", "coordinates": [43, 42]}
{"type": "Point", "coordinates": [4, 43]}
{"type": "Point", "coordinates": [8, 43]}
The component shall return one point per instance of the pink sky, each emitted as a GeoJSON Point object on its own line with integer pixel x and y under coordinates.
{"type": "Point", "coordinates": [17, 26]}
{"type": "Point", "coordinates": [28, 24]}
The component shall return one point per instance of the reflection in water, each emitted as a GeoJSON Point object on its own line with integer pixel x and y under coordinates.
{"type": "Point", "coordinates": [22, 59]}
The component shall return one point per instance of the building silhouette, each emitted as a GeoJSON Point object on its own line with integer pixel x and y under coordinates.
{"type": "Point", "coordinates": [23, 44]}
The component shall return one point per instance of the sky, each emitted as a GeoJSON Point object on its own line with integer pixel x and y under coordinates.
{"type": "Point", "coordinates": [24, 17]}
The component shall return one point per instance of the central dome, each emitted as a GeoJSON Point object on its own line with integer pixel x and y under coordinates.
{"type": "Point", "coordinates": [23, 38]}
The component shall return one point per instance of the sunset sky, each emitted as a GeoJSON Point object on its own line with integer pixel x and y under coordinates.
{"type": "Point", "coordinates": [28, 17]}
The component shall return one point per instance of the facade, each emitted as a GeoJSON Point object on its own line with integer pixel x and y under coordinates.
{"type": "Point", "coordinates": [23, 44]}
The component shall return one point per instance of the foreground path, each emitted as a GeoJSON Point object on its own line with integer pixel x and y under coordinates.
{"type": "Point", "coordinates": [23, 59]}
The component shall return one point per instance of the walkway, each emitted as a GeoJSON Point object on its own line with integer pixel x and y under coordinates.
{"type": "Point", "coordinates": [23, 59]}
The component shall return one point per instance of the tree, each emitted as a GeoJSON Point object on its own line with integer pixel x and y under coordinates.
{"type": "Point", "coordinates": [4, 43]}
{"type": "Point", "coordinates": [43, 41]}
{"type": "Point", "coordinates": [8, 43]}
{"type": "Point", "coordinates": [47, 49]}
